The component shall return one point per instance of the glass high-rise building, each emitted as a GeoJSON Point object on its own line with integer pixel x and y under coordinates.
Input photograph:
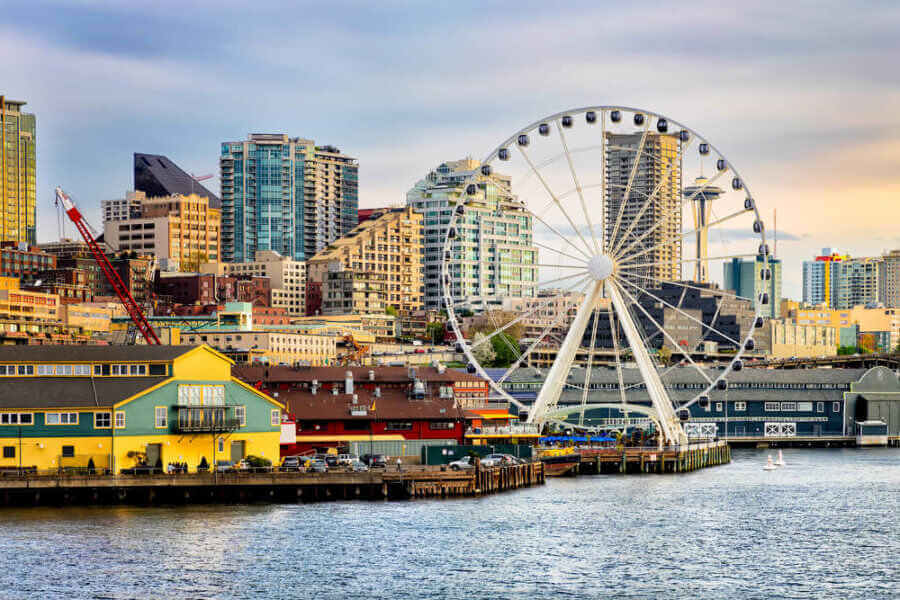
{"type": "Point", "coordinates": [493, 250]}
{"type": "Point", "coordinates": [285, 194]}
{"type": "Point", "coordinates": [18, 214]}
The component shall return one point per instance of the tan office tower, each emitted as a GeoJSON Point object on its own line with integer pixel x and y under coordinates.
{"type": "Point", "coordinates": [655, 163]}
{"type": "Point", "coordinates": [17, 166]}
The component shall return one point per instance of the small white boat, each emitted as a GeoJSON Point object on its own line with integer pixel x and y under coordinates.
{"type": "Point", "coordinates": [769, 466]}
{"type": "Point", "coordinates": [780, 462]}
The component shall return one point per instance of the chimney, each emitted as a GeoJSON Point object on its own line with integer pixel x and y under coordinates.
{"type": "Point", "coordinates": [314, 388]}
{"type": "Point", "coordinates": [355, 399]}
{"type": "Point", "coordinates": [371, 375]}
{"type": "Point", "coordinates": [348, 382]}
{"type": "Point", "coordinates": [334, 391]}
{"type": "Point", "coordinates": [378, 391]}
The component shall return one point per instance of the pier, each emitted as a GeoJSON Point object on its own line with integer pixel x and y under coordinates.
{"type": "Point", "coordinates": [246, 487]}
{"type": "Point", "coordinates": [649, 460]}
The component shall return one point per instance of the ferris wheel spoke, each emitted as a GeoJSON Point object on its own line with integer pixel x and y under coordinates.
{"type": "Point", "coordinates": [537, 308]}
{"type": "Point", "coordinates": [554, 250]}
{"type": "Point", "coordinates": [651, 197]}
{"type": "Point", "coordinates": [678, 310]}
{"type": "Point", "coordinates": [671, 213]}
{"type": "Point", "coordinates": [587, 216]}
{"type": "Point", "coordinates": [634, 167]}
{"type": "Point", "coordinates": [665, 333]}
{"type": "Point", "coordinates": [556, 377]}
{"type": "Point", "coordinates": [681, 284]}
{"type": "Point", "coordinates": [544, 333]}
{"type": "Point", "coordinates": [678, 237]}
{"type": "Point", "coordinates": [630, 265]}
{"type": "Point", "coordinates": [555, 199]}
{"type": "Point", "coordinates": [552, 281]}
{"type": "Point", "coordinates": [595, 315]}
{"type": "Point", "coordinates": [615, 341]}
{"type": "Point", "coordinates": [603, 178]}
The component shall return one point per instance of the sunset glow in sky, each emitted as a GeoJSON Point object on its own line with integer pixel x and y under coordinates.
{"type": "Point", "coordinates": [802, 99]}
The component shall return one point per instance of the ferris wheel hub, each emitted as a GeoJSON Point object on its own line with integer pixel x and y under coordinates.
{"type": "Point", "coordinates": [600, 266]}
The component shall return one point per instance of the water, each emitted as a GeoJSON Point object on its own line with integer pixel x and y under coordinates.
{"type": "Point", "coordinates": [827, 525]}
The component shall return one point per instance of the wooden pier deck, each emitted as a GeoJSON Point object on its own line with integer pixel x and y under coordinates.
{"type": "Point", "coordinates": [682, 459]}
{"type": "Point", "coordinates": [246, 487]}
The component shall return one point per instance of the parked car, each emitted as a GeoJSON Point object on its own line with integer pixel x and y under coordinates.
{"type": "Point", "coordinates": [291, 463]}
{"type": "Point", "coordinates": [317, 465]}
{"type": "Point", "coordinates": [374, 460]}
{"type": "Point", "coordinates": [495, 460]}
{"type": "Point", "coordinates": [331, 460]}
{"type": "Point", "coordinates": [420, 350]}
{"type": "Point", "coordinates": [358, 466]}
{"type": "Point", "coordinates": [225, 466]}
{"type": "Point", "coordinates": [515, 460]}
{"type": "Point", "coordinates": [417, 342]}
{"type": "Point", "coordinates": [345, 460]}
{"type": "Point", "coordinates": [464, 463]}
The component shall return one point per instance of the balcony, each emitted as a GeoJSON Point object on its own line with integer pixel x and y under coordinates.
{"type": "Point", "coordinates": [205, 419]}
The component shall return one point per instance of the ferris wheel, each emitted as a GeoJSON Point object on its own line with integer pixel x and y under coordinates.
{"type": "Point", "coordinates": [602, 239]}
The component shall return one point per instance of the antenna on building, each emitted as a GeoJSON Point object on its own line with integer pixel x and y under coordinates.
{"type": "Point", "coordinates": [775, 231]}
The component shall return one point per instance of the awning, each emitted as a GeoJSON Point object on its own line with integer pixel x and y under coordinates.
{"type": "Point", "coordinates": [493, 414]}
{"type": "Point", "coordinates": [392, 437]}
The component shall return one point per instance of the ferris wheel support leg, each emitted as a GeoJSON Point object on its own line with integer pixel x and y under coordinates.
{"type": "Point", "coordinates": [559, 372]}
{"type": "Point", "coordinates": [655, 389]}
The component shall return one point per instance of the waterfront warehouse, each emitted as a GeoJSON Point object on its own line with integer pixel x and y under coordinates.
{"type": "Point", "coordinates": [119, 407]}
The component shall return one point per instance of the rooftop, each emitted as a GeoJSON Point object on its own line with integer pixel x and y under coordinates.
{"type": "Point", "coordinates": [70, 392]}
{"type": "Point", "coordinates": [76, 353]}
{"type": "Point", "coordinates": [281, 374]}
{"type": "Point", "coordinates": [393, 404]}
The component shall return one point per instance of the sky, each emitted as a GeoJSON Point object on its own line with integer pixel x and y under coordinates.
{"type": "Point", "coordinates": [802, 97]}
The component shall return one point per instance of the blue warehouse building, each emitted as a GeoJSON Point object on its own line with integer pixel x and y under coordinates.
{"type": "Point", "coordinates": [759, 405]}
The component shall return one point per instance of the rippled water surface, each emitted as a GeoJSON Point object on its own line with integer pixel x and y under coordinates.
{"type": "Point", "coordinates": [827, 525]}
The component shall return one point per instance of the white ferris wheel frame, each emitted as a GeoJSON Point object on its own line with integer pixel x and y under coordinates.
{"type": "Point", "coordinates": [664, 411]}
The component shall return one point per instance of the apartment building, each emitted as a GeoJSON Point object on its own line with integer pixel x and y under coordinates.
{"type": "Point", "coordinates": [493, 246]}
{"type": "Point", "coordinates": [287, 278]}
{"type": "Point", "coordinates": [285, 194]}
{"type": "Point", "coordinates": [659, 157]}
{"type": "Point", "coordinates": [376, 265]}
{"type": "Point", "coordinates": [181, 231]}
{"type": "Point", "coordinates": [18, 191]}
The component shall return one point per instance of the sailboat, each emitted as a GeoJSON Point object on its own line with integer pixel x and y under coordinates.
{"type": "Point", "coordinates": [780, 462]}
{"type": "Point", "coordinates": [769, 466]}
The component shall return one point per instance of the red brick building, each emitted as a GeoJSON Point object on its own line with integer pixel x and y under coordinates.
{"type": "Point", "coordinates": [22, 261]}
{"type": "Point", "coordinates": [331, 409]}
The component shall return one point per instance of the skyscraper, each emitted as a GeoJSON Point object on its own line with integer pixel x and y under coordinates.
{"type": "Point", "coordinates": [890, 279]}
{"type": "Point", "coordinates": [658, 158]}
{"type": "Point", "coordinates": [745, 278]}
{"type": "Point", "coordinates": [494, 237]}
{"type": "Point", "coordinates": [856, 281]}
{"type": "Point", "coordinates": [819, 277]}
{"type": "Point", "coordinates": [285, 194]}
{"type": "Point", "coordinates": [17, 167]}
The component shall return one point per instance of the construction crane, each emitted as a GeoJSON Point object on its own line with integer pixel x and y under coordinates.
{"type": "Point", "coordinates": [125, 297]}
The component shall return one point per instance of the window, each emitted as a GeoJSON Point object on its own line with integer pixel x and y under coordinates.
{"type": "Point", "coordinates": [739, 406]}
{"type": "Point", "coordinates": [68, 451]}
{"type": "Point", "coordinates": [804, 406]}
{"type": "Point", "coordinates": [820, 407]}
{"type": "Point", "coordinates": [240, 413]}
{"type": "Point", "coordinates": [81, 369]}
{"type": "Point", "coordinates": [836, 407]}
{"type": "Point", "coordinates": [441, 425]}
{"type": "Point", "coordinates": [773, 406]}
{"type": "Point", "coordinates": [9, 451]}
{"type": "Point", "coordinates": [102, 420]}
{"type": "Point", "coordinates": [788, 406]}
{"type": "Point", "coordinates": [399, 425]}
{"type": "Point", "coordinates": [161, 417]}
{"type": "Point", "coordinates": [98, 370]}
{"type": "Point", "coordinates": [45, 369]}
{"type": "Point", "coordinates": [26, 419]}
{"type": "Point", "coordinates": [120, 419]}
{"type": "Point", "coordinates": [221, 444]}
{"type": "Point", "coordinates": [61, 419]}
{"type": "Point", "coordinates": [64, 369]}
{"type": "Point", "coordinates": [26, 369]}
{"type": "Point", "coordinates": [276, 417]}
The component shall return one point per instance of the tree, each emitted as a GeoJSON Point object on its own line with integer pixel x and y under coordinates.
{"type": "Point", "coordinates": [483, 352]}
{"type": "Point", "coordinates": [505, 349]}
{"type": "Point", "coordinates": [390, 310]}
{"type": "Point", "coordinates": [435, 332]}
{"type": "Point", "coordinates": [847, 350]}
{"type": "Point", "coordinates": [665, 355]}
